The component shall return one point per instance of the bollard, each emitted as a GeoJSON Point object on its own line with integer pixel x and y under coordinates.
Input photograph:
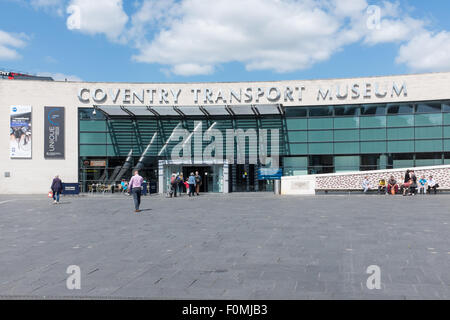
{"type": "Point", "coordinates": [277, 186]}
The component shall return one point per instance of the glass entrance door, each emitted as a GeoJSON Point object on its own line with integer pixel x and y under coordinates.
{"type": "Point", "coordinates": [212, 175]}
{"type": "Point", "coordinates": [202, 171]}
{"type": "Point", "coordinates": [244, 178]}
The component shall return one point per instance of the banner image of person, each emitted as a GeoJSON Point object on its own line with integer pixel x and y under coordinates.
{"type": "Point", "coordinates": [54, 132]}
{"type": "Point", "coordinates": [20, 132]}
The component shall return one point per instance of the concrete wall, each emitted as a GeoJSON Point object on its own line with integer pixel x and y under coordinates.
{"type": "Point", "coordinates": [302, 185]}
{"type": "Point", "coordinates": [298, 185]}
{"type": "Point", "coordinates": [34, 175]}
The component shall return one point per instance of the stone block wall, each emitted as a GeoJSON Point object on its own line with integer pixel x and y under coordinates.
{"type": "Point", "coordinates": [353, 180]}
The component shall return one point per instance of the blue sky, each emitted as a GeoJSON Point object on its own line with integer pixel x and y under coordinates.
{"type": "Point", "coordinates": [172, 41]}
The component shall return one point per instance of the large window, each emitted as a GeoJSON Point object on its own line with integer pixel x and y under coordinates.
{"type": "Point", "coordinates": [346, 111]}
{"type": "Point", "coordinates": [295, 166]}
{"type": "Point", "coordinates": [403, 160]}
{"type": "Point", "coordinates": [428, 108]}
{"type": "Point", "coordinates": [373, 162]}
{"type": "Point", "coordinates": [373, 110]}
{"type": "Point", "coordinates": [299, 112]}
{"type": "Point", "coordinates": [320, 164]}
{"type": "Point", "coordinates": [400, 108]}
{"type": "Point", "coordinates": [428, 159]}
{"type": "Point", "coordinates": [320, 111]}
{"type": "Point", "coordinates": [346, 163]}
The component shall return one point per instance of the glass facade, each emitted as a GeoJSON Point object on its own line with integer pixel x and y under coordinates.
{"type": "Point", "coordinates": [312, 140]}
{"type": "Point", "coordinates": [368, 137]}
{"type": "Point", "coordinates": [121, 141]}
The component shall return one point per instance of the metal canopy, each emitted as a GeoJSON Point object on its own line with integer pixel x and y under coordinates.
{"type": "Point", "coordinates": [139, 111]}
{"type": "Point", "coordinates": [216, 110]}
{"type": "Point", "coordinates": [112, 110]}
{"type": "Point", "coordinates": [268, 109]}
{"type": "Point", "coordinates": [165, 111]}
{"type": "Point", "coordinates": [191, 111]}
{"type": "Point", "coordinates": [183, 111]}
{"type": "Point", "coordinates": [242, 110]}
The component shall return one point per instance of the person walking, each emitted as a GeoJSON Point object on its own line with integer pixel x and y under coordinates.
{"type": "Point", "coordinates": [191, 182]}
{"type": "Point", "coordinates": [198, 182]}
{"type": "Point", "coordinates": [57, 188]}
{"type": "Point", "coordinates": [180, 180]}
{"type": "Point", "coordinates": [135, 187]}
{"type": "Point", "coordinates": [173, 185]}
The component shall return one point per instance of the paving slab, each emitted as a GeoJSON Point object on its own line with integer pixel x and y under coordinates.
{"type": "Point", "coordinates": [235, 246]}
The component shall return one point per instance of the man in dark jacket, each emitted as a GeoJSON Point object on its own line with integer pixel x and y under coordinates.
{"type": "Point", "coordinates": [198, 182]}
{"type": "Point", "coordinates": [56, 188]}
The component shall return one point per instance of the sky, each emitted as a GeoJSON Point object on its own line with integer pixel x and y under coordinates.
{"type": "Point", "coordinates": [223, 40]}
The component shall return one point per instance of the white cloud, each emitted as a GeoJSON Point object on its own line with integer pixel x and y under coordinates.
{"type": "Point", "coordinates": [263, 34]}
{"type": "Point", "coordinates": [394, 30]}
{"type": "Point", "coordinates": [9, 42]}
{"type": "Point", "coordinates": [193, 37]}
{"type": "Point", "coordinates": [395, 25]}
{"type": "Point", "coordinates": [426, 52]}
{"type": "Point", "coordinates": [59, 76]}
{"type": "Point", "coordinates": [188, 69]}
{"type": "Point", "coordinates": [98, 17]}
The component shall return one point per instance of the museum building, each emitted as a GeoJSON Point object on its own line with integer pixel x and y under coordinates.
{"type": "Point", "coordinates": [240, 136]}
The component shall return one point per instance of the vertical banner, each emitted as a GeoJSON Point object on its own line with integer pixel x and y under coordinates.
{"type": "Point", "coordinates": [54, 133]}
{"type": "Point", "coordinates": [20, 132]}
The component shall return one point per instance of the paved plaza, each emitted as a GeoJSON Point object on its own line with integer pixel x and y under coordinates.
{"type": "Point", "coordinates": [236, 246]}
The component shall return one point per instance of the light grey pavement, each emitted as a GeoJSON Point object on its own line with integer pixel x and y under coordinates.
{"type": "Point", "coordinates": [236, 246]}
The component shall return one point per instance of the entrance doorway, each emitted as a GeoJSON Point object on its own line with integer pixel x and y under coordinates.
{"type": "Point", "coordinates": [204, 171]}
{"type": "Point", "coordinates": [213, 175]}
{"type": "Point", "coordinates": [244, 178]}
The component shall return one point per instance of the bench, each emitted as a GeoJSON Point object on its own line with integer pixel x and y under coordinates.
{"type": "Point", "coordinates": [360, 191]}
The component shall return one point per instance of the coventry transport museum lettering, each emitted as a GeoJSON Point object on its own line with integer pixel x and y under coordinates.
{"type": "Point", "coordinates": [250, 95]}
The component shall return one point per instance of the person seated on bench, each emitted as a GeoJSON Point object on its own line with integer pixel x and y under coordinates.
{"type": "Point", "coordinates": [392, 187]}
{"type": "Point", "coordinates": [382, 186]}
{"type": "Point", "coordinates": [432, 185]}
{"type": "Point", "coordinates": [366, 184]}
{"type": "Point", "coordinates": [406, 183]}
{"type": "Point", "coordinates": [410, 184]}
{"type": "Point", "coordinates": [421, 185]}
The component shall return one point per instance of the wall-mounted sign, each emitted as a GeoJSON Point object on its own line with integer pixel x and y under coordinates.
{"type": "Point", "coordinates": [20, 132]}
{"type": "Point", "coordinates": [334, 91]}
{"type": "Point", "coordinates": [98, 163]}
{"type": "Point", "coordinates": [54, 133]}
{"type": "Point", "coordinates": [270, 173]}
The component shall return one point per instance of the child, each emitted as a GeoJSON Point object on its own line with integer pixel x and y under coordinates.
{"type": "Point", "coordinates": [186, 184]}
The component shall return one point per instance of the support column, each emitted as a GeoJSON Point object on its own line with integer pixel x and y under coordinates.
{"type": "Point", "coordinates": [225, 178]}
{"type": "Point", "coordinates": [233, 176]}
{"type": "Point", "coordinates": [247, 178]}
{"type": "Point", "coordinates": [255, 180]}
{"type": "Point", "coordinates": [161, 176]}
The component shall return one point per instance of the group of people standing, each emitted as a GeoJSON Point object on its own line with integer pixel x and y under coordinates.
{"type": "Point", "coordinates": [411, 185]}
{"type": "Point", "coordinates": [178, 184]}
